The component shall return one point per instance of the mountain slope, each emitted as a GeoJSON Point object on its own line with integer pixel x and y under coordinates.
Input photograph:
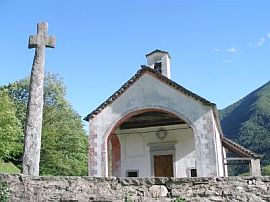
{"type": "Point", "coordinates": [248, 121]}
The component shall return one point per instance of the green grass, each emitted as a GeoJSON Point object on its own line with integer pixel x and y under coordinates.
{"type": "Point", "coordinates": [9, 168]}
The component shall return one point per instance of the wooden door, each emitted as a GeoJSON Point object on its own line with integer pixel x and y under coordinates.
{"type": "Point", "coordinates": [163, 166]}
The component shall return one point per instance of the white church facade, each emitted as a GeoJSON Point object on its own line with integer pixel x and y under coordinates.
{"type": "Point", "coordinates": [152, 126]}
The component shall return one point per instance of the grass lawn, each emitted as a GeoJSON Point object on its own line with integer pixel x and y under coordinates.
{"type": "Point", "coordinates": [8, 168]}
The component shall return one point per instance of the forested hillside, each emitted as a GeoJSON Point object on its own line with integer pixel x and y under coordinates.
{"type": "Point", "coordinates": [248, 122]}
{"type": "Point", "coordinates": [64, 141]}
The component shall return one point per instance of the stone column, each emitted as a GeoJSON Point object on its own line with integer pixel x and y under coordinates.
{"type": "Point", "coordinates": [255, 167]}
{"type": "Point", "coordinates": [33, 126]}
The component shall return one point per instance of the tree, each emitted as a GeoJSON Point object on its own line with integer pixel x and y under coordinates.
{"type": "Point", "coordinates": [10, 128]}
{"type": "Point", "coordinates": [266, 170]}
{"type": "Point", "coordinates": [64, 142]}
{"type": "Point", "coordinates": [248, 122]}
{"type": "Point", "coordinates": [18, 92]}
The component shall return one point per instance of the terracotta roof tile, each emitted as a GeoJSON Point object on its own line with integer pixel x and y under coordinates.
{"type": "Point", "coordinates": [230, 145]}
{"type": "Point", "coordinates": [133, 79]}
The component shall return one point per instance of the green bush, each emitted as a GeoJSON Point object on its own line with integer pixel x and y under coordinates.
{"type": "Point", "coordinates": [266, 170]}
{"type": "Point", "coordinates": [4, 192]}
{"type": "Point", "coordinates": [180, 199]}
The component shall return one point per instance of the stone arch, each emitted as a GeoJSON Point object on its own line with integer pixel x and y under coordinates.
{"type": "Point", "coordinates": [128, 114]}
{"type": "Point", "coordinates": [125, 116]}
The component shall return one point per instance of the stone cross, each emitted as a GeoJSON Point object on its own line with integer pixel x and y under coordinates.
{"type": "Point", "coordinates": [33, 126]}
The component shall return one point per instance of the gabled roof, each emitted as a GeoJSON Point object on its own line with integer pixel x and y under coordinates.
{"type": "Point", "coordinates": [144, 69]}
{"type": "Point", "coordinates": [238, 149]}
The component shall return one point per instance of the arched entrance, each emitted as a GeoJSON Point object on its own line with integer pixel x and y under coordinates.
{"type": "Point", "coordinates": [151, 142]}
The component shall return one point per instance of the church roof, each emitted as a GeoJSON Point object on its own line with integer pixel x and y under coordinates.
{"type": "Point", "coordinates": [133, 79]}
{"type": "Point", "coordinates": [238, 149]}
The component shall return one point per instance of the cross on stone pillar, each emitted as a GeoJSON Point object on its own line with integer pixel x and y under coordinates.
{"type": "Point", "coordinates": [33, 126]}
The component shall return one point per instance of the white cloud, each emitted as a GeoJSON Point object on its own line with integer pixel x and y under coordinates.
{"type": "Point", "coordinates": [261, 41]}
{"type": "Point", "coordinates": [227, 61]}
{"type": "Point", "coordinates": [232, 50]}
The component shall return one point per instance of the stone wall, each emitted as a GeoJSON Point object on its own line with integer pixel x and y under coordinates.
{"type": "Point", "coordinates": [69, 189]}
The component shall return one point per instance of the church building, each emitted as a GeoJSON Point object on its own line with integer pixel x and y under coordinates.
{"type": "Point", "coordinates": [153, 126]}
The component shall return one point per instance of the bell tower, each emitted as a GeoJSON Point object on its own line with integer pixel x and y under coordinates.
{"type": "Point", "coordinates": [160, 61]}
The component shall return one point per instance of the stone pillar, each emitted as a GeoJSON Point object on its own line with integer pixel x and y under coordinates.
{"type": "Point", "coordinates": [255, 167]}
{"type": "Point", "coordinates": [33, 126]}
{"type": "Point", "coordinates": [92, 162]}
{"type": "Point", "coordinates": [206, 158]}
{"type": "Point", "coordinates": [97, 149]}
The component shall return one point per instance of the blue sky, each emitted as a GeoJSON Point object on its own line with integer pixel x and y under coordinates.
{"type": "Point", "coordinates": [220, 49]}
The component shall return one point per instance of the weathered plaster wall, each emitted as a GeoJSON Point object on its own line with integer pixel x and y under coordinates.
{"type": "Point", "coordinates": [136, 149]}
{"type": "Point", "coordinates": [220, 155]}
{"type": "Point", "coordinates": [82, 189]}
{"type": "Point", "coordinates": [146, 93]}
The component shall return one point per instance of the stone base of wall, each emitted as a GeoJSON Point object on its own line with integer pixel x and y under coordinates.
{"type": "Point", "coordinates": [71, 189]}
